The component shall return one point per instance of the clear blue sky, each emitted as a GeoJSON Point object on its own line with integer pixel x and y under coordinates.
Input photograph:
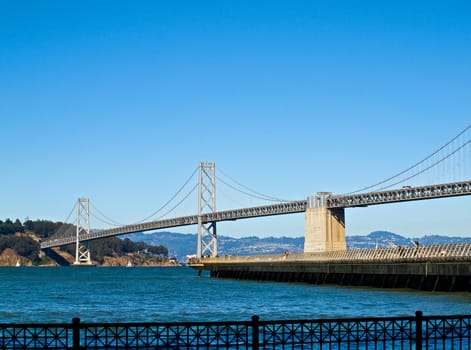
{"type": "Point", "coordinates": [119, 101]}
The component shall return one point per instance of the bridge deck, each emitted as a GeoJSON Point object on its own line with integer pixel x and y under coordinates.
{"type": "Point", "coordinates": [340, 201]}
{"type": "Point", "coordinates": [400, 195]}
{"type": "Point", "coordinates": [227, 215]}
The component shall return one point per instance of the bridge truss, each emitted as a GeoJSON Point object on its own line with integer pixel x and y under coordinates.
{"type": "Point", "coordinates": [403, 194]}
{"type": "Point", "coordinates": [333, 201]}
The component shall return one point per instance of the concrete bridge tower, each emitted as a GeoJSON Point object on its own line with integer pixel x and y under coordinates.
{"type": "Point", "coordinates": [324, 228]}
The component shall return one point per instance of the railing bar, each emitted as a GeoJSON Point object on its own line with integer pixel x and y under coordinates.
{"type": "Point", "coordinates": [138, 335]}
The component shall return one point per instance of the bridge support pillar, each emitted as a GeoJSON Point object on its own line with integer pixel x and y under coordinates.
{"type": "Point", "coordinates": [324, 228]}
{"type": "Point", "coordinates": [82, 255]}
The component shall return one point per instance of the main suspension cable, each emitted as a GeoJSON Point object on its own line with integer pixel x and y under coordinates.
{"type": "Point", "coordinates": [108, 221]}
{"type": "Point", "coordinates": [412, 166]}
{"type": "Point", "coordinates": [427, 168]}
{"type": "Point", "coordinates": [171, 199]}
{"type": "Point", "coordinates": [179, 203]}
{"type": "Point", "coordinates": [251, 193]}
{"type": "Point", "coordinates": [62, 230]}
{"type": "Point", "coordinates": [70, 214]}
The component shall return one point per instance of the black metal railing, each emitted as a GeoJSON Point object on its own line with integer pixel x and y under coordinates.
{"type": "Point", "coordinates": [417, 332]}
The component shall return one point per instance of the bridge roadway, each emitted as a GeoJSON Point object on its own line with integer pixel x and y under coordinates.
{"type": "Point", "coordinates": [336, 201]}
{"type": "Point", "coordinates": [228, 215]}
{"type": "Point", "coordinates": [403, 194]}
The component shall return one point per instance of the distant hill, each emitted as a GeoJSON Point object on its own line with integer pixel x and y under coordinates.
{"type": "Point", "coordinates": [384, 239]}
{"type": "Point", "coordinates": [181, 245]}
{"type": "Point", "coordinates": [19, 244]}
{"type": "Point", "coordinates": [381, 239]}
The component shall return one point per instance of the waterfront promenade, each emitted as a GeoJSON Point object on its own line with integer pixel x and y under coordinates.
{"type": "Point", "coordinates": [411, 332]}
{"type": "Point", "coordinates": [433, 268]}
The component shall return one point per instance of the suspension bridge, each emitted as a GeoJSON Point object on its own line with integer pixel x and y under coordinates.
{"type": "Point", "coordinates": [324, 211]}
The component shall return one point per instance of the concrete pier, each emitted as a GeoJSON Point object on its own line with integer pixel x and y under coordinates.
{"type": "Point", "coordinates": [434, 268]}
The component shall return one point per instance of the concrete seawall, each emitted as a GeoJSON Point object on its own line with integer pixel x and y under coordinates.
{"type": "Point", "coordinates": [387, 268]}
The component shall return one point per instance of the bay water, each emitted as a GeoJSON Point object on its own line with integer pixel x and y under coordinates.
{"type": "Point", "coordinates": [174, 294]}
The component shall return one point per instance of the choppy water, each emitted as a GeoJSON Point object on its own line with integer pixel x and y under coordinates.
{"type": "Point", "coordinates": [97, 294]}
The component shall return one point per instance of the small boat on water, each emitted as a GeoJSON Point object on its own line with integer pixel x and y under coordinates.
{"type": "Point", "coordinates": [18, 264]}
{"type": "Point", "coordinates": [129, 263]}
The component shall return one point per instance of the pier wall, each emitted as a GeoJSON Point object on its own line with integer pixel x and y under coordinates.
{"type": "Point", "coordinates": [422, 276]}
{"type": "Point", "coordinates": [431, 268]}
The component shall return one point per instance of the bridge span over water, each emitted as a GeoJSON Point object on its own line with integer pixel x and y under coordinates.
{"type": "Point", "coordinates": [332, 201]}
{"type": "Point", "coordinates": [332, 207]}
{"type": "Point", "coordinates": [324, 212]}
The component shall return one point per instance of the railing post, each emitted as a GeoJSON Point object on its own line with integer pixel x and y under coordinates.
{"type": "Point", "coordinates": [76, 333]}
{"type": "Point", "coordinates": [255, 332]}
{"type": "Point", "coordinates": [418, 330]}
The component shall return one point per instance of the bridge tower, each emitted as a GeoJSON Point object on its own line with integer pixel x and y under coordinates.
{"type": "Point", "coordinates": [82, 252]}
{"type": "Point", "coordinates": [207, 238]}
{"type": "Point", "coordinates": [324, 228]}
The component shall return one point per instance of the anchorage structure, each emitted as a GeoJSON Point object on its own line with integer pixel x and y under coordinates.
{"type": "Point", "coordinates": [207, 238]}
{"type": "Point", "coordinates": [82, 252]}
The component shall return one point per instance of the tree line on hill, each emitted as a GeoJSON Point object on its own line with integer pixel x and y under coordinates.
{"type": "Point", "coordinates": [23, 239]}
